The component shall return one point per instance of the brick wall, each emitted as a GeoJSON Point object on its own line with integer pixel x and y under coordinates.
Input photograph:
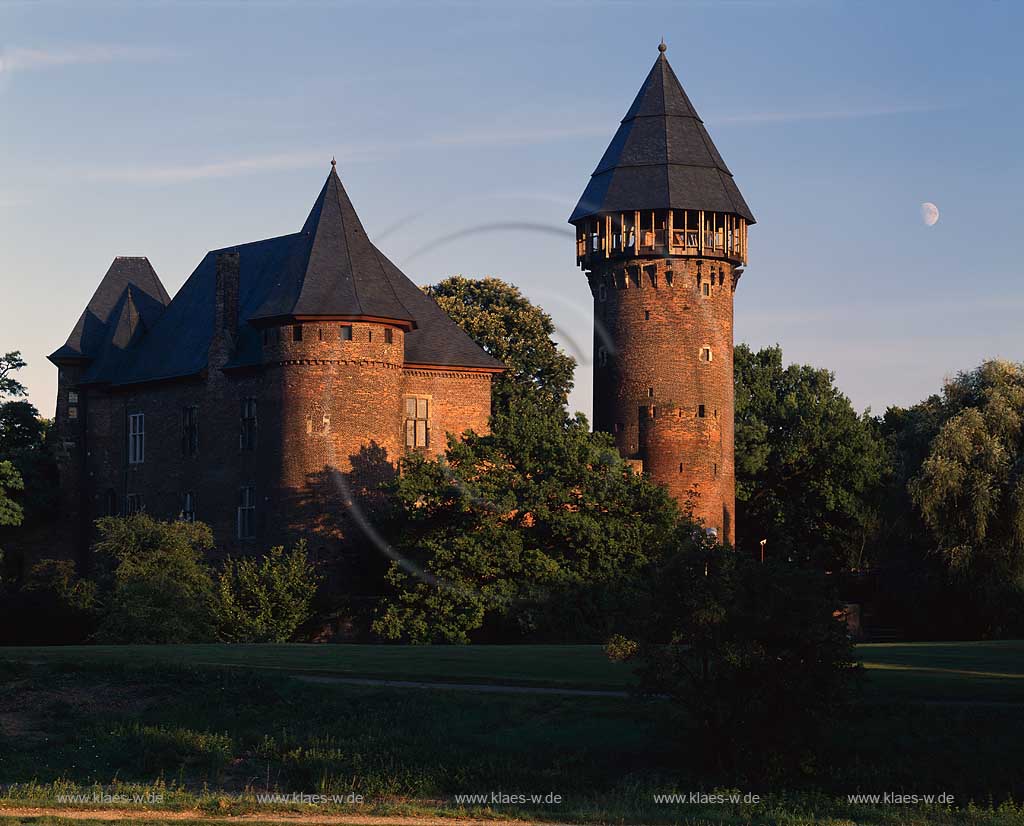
{"type": "Point", "coordinates": [331, 420]}
{"type": "Point", "coordinates": [652, 320]}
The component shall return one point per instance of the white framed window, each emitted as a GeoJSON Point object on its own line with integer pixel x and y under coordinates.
{"type": "Point", "coordinates": [246, 512]}
{"type": "Point", "coordinates": [133, 504]}
{"type": "Point", "coordinates": [417, 422]}
{"type": "Point", "coordinates": [706, 354]}
{"type": "Point", "coordinates": [136, 438]}
{"type": "Point", "coordinates": [188, 507]}
{"type": "Point", "coordinates": [249, 425]}
{"type": "Point", "coordinates": [190, 430]}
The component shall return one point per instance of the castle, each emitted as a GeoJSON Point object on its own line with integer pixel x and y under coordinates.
{"type": "Point", "coordinates": [289, 374]}
{"type": "Point", "coordinates": [284, 377]}
{"type": "Point", "coordinates": [661, 232]}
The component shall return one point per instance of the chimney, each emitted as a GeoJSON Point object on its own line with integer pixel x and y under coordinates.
{"type": "Point", "coordinates": [226, 314]}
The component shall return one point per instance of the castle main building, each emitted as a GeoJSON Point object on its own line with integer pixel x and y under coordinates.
{"type": "Point", "coordinates": [661, 232]}
{"type": "Point", "coordinates": [284, 377]}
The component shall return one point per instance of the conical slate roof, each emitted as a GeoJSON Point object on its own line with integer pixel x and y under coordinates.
{"type": "Point", "coordinates": [129, 280]}
{"type": "Point", "coordinates": [335, 270]}
{"type": "Point", "coordinates": [329, 269]}
{"type": "Point", "coordinates": [661, 157]}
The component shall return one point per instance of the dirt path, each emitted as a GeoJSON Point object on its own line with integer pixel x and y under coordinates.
{"type": "Point", "coordinates": [483, 688]}
{"type": "Point", "coordinates": [255, 817]}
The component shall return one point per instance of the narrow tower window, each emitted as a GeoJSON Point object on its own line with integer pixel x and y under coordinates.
{"type": "Point", "coordinates": [706, 288]}
{"type": "Point", "coordinates": [346, 332]}
{"type": "Point", "coordinates": [647, 315]}
{"type": "Point", "coordinates": [246, 518]}
{"type": "Point", "coordinates": [188, 507]}
{"type": "Point", "coordinates": [249, 425]}
{"type": "Point", "coordinates": [650, 392]}
{"type": "Point", "coordinates": [296, 332]}
{"type": "Point", "coordinates": [136, 438]}
{"type": "Point", "coordinates": [700, 411]}
{"type": "Point", "coordinates": [389, 336]}
{"type": "Point", "coordinates": [705, 353]}
{"type": "Point", "coordinates": [190, 430]}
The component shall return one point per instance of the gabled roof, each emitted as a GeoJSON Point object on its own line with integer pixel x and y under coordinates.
{"type": "Point", "coordinates": [335, 270]}
{"type": "Point", "coordinates": [328, 270]}
{"type": "Point", "coordinates": [129, 280]}
{"type": "Point", "coordinates": [661, 157]}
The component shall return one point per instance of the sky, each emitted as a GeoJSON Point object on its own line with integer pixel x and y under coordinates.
{"type": "Point", "coordinates": [465, 133]}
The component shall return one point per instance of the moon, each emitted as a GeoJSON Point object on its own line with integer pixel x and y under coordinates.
{"type": "Point", "coordinates": [929, 214]}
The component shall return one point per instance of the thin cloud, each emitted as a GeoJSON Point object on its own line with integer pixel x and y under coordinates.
{"type": "Point", "coordinates": [852, 113]}
{"type": "Point", "coordinates": [24, 60]}
{"type": "Point", "coordinates": [503, 137]}
{"type": "Point", "coordinates": [184, 173]}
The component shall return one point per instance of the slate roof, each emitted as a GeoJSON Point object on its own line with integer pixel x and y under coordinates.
{"type": "Point", "coordinates": [661, 157]}
{"type": "Point", "coordinates": [129, 288]}
{"type": "Point", "coordinates": [335, 271]}
{"type": "Point", "coordinates": [329, 269]}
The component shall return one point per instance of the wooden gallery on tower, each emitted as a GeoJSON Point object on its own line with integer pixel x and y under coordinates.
{"type": "Point", "coordinates": [661, 232]}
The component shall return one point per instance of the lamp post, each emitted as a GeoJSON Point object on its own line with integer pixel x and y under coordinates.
{"type": "Point", "coordinates": [763, 543]}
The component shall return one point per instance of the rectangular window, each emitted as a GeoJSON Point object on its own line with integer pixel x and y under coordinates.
{"type": "Point", "coordinates": [72, 412]}
{"type": "Point", "coordinates": [417, 422]}
{"type": "Point", "coordinates": [188, 507]}
{"type": "Point", "coordinates": [133, 504]}
{"type": "Point", "coordinates": [247, 436]}
{"type": "Point", "coordinates": [190, 430]}
{"type": "Point", "coordinates": [346, 332]}
{"type": "Point", "coordinates": [296, 332]}
{"type": "Point", "coordinates": [72, 397]}
{"type": "Point", "coordinates": [706, 288]}
{"type": "Point", "coordinates": [247, 512]}
{"type": "Point", "coordinates": [389, 336]}
{"type": "Point", "coordinates": [700, 410]}
{"type": "Point", "coordinates": [136, 438]}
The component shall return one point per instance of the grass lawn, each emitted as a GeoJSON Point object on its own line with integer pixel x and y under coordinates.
{"type": "Point", "coordinates": [209, 727]}
{"type": "Point", "coordinates": [961, 671]}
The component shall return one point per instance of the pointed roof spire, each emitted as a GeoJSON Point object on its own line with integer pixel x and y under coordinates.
{"type": "Point", "coordinates": [661, 157]}
{"type": "Point", "coordinates": [334, 270]}
{"type": "Point", "coordinates": [132, 275]}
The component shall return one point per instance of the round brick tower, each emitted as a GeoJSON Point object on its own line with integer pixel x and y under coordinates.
{"type": "Point", "coordinates": [661, 232]}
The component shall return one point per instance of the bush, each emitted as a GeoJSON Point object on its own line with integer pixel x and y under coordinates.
{"type": "Point", "coordinates": [266, 600]}
{"type": "Point", "coordinates": [754, 658]}
{"type": "Point", "coordinates": [53, 607]}
{"type": "Point", "coordinates": [157, 587]}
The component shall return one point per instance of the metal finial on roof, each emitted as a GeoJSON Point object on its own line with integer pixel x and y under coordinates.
{"type": "Point", "coordinates": [333, 162]}
{"type": "Point", "coordinates": [662, 47]}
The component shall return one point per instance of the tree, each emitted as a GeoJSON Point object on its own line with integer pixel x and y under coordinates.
{"type": "Point", "coordinates": [970, 490]}
{"type": "Point", "coordinates": [9, 386]}
{"type": "Point", "coordinates": [11, 512]}
{"type": "Point", "coordinates": [157, 588]}
{"type": "Point", "coordinates": [543, 532]}
{"type": "Point", "coordinates": [516, 332]}
{"type": "Point", "coordinates": [754, 658]}
{"type": "Point", "coordinates": [266, 600]}
{"type": "Point", "coordinates": [808, 468]}
{"type": "Point", "coordinates": [54, 606]}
